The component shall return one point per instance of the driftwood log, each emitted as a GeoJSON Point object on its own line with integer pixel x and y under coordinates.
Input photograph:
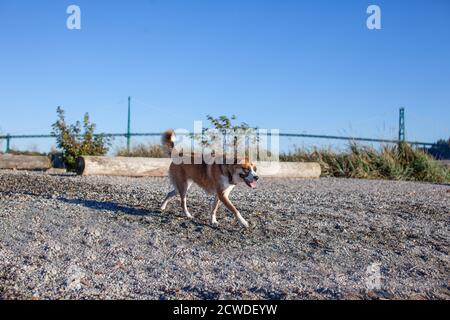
{"type": "Point", "coordinates": [289, 169]}
{"type": "Point", "coordinates": [23, 162]}
{"type": "Point", "coordinates": [156, 167]}
{"type": "Point", "coordinates": [122, 166]}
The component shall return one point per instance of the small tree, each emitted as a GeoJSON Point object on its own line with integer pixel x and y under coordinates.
{"type": "Point", "coordinates": [76, 140]}
{"type": "Point", "coordinates": [230, 134]}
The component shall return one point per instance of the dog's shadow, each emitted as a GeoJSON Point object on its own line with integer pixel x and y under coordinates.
{"type": "Point", "coordinates": [118, 208]}
{"type": "Point", "coordinates": [125, 209]}
{"type": "Point", "coordinates": [111, 206]}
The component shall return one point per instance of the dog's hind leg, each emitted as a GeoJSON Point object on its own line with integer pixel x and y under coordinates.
{"type": "Point", "coordinates": [183, 189]}
{"type": "Point", "coordinates": [214, 211]}
{"type": "Point", "coordinates": [223, 196]}
{"type": "Point", "coordinates": [169, 196]}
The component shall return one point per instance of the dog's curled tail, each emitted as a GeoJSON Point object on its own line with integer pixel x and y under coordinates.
{"type": "Point", "coordinates": [167, 140]}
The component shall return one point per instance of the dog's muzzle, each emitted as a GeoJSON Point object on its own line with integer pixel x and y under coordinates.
{"type": "Point", "coordinates": [249, 179]}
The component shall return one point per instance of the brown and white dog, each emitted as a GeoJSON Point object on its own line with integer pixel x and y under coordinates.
{"type": "Point", "coordinates": [215, 178]}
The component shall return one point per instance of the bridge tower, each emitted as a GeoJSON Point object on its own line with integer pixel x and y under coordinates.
{"type": "Point", "coordinates": [401, 125]}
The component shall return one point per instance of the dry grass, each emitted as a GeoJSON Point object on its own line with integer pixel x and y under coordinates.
{"type": "Point", "coordinates": [391, 162]}
{"type": "Point", "coordinates": [142, 150]}
{"type": "Point", "coordinates": [400, 162]}
{"type": "Point", "coordinates": [25, 153]}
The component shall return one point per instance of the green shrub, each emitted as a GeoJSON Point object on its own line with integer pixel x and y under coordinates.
{"type": "Point", "coordinates": [441, 150]}
{"type": "Point", "coordinates": [78, 140]}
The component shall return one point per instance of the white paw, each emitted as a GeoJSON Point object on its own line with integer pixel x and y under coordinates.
{"type": "Point", "coordinates": [215, 223]}
{"type": "Point", "coordinates": [244, 223]}
{"type": "Point", "coordinates": [189, 215]}
{"type": "Point", "coordinates": [163, 207]}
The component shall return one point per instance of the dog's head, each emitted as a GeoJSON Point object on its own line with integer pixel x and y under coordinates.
{"type": "Point", "coordinates": [247, 172]}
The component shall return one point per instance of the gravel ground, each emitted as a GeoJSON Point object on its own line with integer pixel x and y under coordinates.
{"type": "Point", "coordinates": [65, 237]}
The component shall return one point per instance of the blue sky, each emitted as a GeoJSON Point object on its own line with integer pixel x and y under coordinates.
{"type": "Point", "coordinates": [300, 66]}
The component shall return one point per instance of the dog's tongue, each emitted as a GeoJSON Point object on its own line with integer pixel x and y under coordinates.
{"type": "Point", "coordinates": [253, 184]}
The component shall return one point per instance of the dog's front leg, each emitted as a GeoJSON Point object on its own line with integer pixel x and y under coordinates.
{"type": "Point", "coordinates": [214, 211]}
{"type": "Point", "coordinates": [185, 209]}
{"type": "Point", "coordinates": [223, 196]}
